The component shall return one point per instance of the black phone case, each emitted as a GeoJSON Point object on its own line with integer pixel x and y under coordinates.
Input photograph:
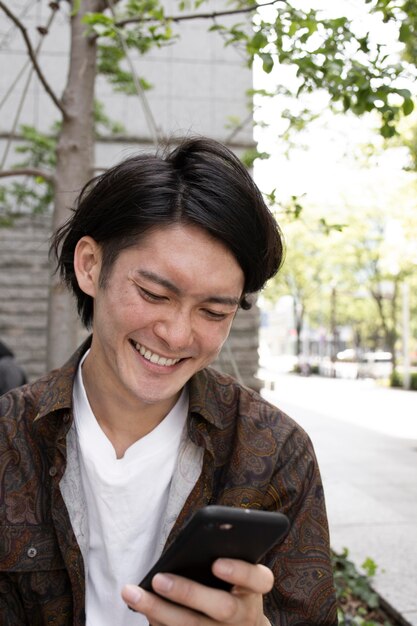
{"type": "Point", "coordinates": [219, 531]}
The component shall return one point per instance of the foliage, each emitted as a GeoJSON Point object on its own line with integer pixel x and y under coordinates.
{"type": "Point", "coordinates": [35, 194]}
{"type": "Point", "coordinates": [38, 148]}
{"type": "Point", "coordinates": [404, 12]}
{"type": "Point", "coordinates": [114, 40]}
{"type": "Point", "coordinates": [251, 155]}
{"type": "Point", "coordinates": [301, 279]}
{"type": "Point", "coordinates": [103, 123]}
{"type": "Point", "coordinates": [349, 582]}
{"type": "Point", "coordinates": [409, 139]}
{"type": "Point", "coordinates": [396, 380]}
{"type": "Point", "coordinates": [350, 276]}
{"type": "Point", "coordinates": [327, 54]}
{"type": "Point", "coordinates": [358, 604]}
{"type": "Point", "coordinates": [5, 209]}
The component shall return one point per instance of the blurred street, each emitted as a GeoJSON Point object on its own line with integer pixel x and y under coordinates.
{"type": "Point", "coordinates": [365, 437]}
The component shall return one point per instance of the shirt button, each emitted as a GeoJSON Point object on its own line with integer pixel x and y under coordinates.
{"type": "Point", "coordinates": [32, 552]}
{"type": "Point", "coordinates": [66, 419]}
{"type": "Point", "coordinates": [52, 471]}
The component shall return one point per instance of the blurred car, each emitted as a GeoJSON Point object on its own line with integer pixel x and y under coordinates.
{"type": "Point", "coordinates": [346, 364]}
{"type": "Point", "coordinates": [375, 365]}
{"type": "Point", "coordinates": [347, 355]}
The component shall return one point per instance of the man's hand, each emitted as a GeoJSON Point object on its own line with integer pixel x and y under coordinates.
{"type": "Point", "coordinates": [197, 605]}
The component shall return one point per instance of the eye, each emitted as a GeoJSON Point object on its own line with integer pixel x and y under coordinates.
{"type": "Point", "coordinates": [215, 315]}
{"type": "Point", "coordinates": [149, 296]}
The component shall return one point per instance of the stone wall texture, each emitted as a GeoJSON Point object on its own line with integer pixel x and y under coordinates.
{"type": "Point", "coordinates": [24, 274]}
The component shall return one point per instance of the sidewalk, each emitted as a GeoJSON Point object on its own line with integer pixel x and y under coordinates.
{"type": "Point", "coordinates": [365, 438]}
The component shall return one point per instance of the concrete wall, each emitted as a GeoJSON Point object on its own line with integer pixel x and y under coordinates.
{"type": "Point", "coordinates": [198, 84]}
{"type": "Point", "coordinates": [24, 291]}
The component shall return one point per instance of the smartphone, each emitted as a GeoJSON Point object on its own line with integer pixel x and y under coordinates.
{"type": "Point", "coordinates": [219, 531]}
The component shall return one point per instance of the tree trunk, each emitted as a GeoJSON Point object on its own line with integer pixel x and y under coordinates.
{"type": "Point", "coordinates": [75, 158]}
{"type": "Point", "coordinates": [389, 321]}
{"type": "Point", "coordinates": [391, 334]}
{"type": "Point", "coordinates": [298, 313]}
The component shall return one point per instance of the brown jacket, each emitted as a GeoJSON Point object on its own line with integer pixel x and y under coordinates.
{"type": "Point", "coordinates": [254, 456]}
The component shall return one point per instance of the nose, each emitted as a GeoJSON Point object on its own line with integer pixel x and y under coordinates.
{"type": "Point", "coordinates": [175, 331]}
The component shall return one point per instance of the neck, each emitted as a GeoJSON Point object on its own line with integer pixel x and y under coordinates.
{"type": "Point", "coordinates": [122, 422]}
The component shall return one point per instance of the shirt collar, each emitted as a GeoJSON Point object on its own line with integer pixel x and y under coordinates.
{"type": "Point", "coordinates": [212, 396]}
{"type": "Point", "coordinates": [57, 387]}
{"type": "Point", "coordinates": [207, 390]}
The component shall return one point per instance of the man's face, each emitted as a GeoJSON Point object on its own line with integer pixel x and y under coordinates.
{"type": "Point", "coordinates": [164, 313]}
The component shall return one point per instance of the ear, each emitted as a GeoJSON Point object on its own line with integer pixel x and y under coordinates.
{"type": "Point", "coordinates": [87, 265]}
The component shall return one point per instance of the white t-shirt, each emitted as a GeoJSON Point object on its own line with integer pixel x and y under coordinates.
{"type": "Point", "coordinates": [126, 501]}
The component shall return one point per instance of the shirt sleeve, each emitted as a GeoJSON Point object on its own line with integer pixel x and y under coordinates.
{"type": "Point", "coordinates": [303, 592]}
{"type": "Point", "coordinates": [11, 610]}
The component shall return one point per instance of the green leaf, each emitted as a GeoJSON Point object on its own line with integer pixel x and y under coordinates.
{"type": "Point", "coordinates": [388, 131]}
{"type": "Point", "coordinates": [259, 41]}
{"type": "Point", "coordinates": [97, 18]}
{"type": "Point", "coordinates": [404, 93]}
{"type": "Point", "coordinates": [249, 157]}
{"type": "Point", "coordinates": [267, 62]}
{"type": "Point", "coordinates": [363, 44]}
{"type": "Point", "coordinates": [370, 567]}
{"type": "Point", "coordinates": [408, 106]}
{"type": "Point", "coordinates": [405, 33]}
{"type": "Point", "coordinates": [294, 27]}
{"type": "Point", "coordinates": [328, 228]}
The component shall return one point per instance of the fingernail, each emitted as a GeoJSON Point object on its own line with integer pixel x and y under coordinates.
{"type": "Point", "coordinates": [223, 567]}
{"type": "Point", "coordinates": [162, 582]}
{"type": "Point", "coordinates": [132, 594]}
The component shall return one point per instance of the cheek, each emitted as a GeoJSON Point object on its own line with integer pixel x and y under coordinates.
{"type": "Point", "coordinates": [124, 307]}
{"type": "Point", "coordinates": [115, 318]}
{"type": "Point", "coordinates": [214, 338]}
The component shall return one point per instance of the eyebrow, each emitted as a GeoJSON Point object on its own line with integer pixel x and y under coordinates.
{"type": "Point", "coordinates": [164, 282]}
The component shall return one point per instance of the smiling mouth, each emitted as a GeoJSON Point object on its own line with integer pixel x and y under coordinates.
{"type": "Point", "coordinates": [153, 357]}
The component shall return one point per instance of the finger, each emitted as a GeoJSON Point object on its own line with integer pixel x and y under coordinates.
{"type": "Point", "coordinates": [218, 605]}
{"type": "Point", "coordinates": [160, 612]}
{"type": "Point", "coordinates": [146, 603]}
{"type": "Point", "coordinates": [252, 578]}
{"type": "Point", "coordinates": [133, 596]}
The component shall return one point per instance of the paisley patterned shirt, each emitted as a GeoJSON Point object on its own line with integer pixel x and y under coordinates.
{"type": "Point", "coordinates": [253, 456]}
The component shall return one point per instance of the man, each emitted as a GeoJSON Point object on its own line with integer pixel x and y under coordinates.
{"type": "Point", "coordinates": [106, 459]}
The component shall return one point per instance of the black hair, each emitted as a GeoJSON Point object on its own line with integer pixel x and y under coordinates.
{"type": "Point", "coordinates": [200, 183]}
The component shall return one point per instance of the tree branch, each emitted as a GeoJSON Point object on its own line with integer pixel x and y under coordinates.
{"type": "Point", "coordinates": [28, 171]}
{"type": "Point", "coordinates": [32, 56]}
{"type": "Point", "coordinates": [197, 16]}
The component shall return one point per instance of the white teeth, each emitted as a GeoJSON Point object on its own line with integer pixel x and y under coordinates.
{"type": "Point", "coordinates": [155, 358]}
